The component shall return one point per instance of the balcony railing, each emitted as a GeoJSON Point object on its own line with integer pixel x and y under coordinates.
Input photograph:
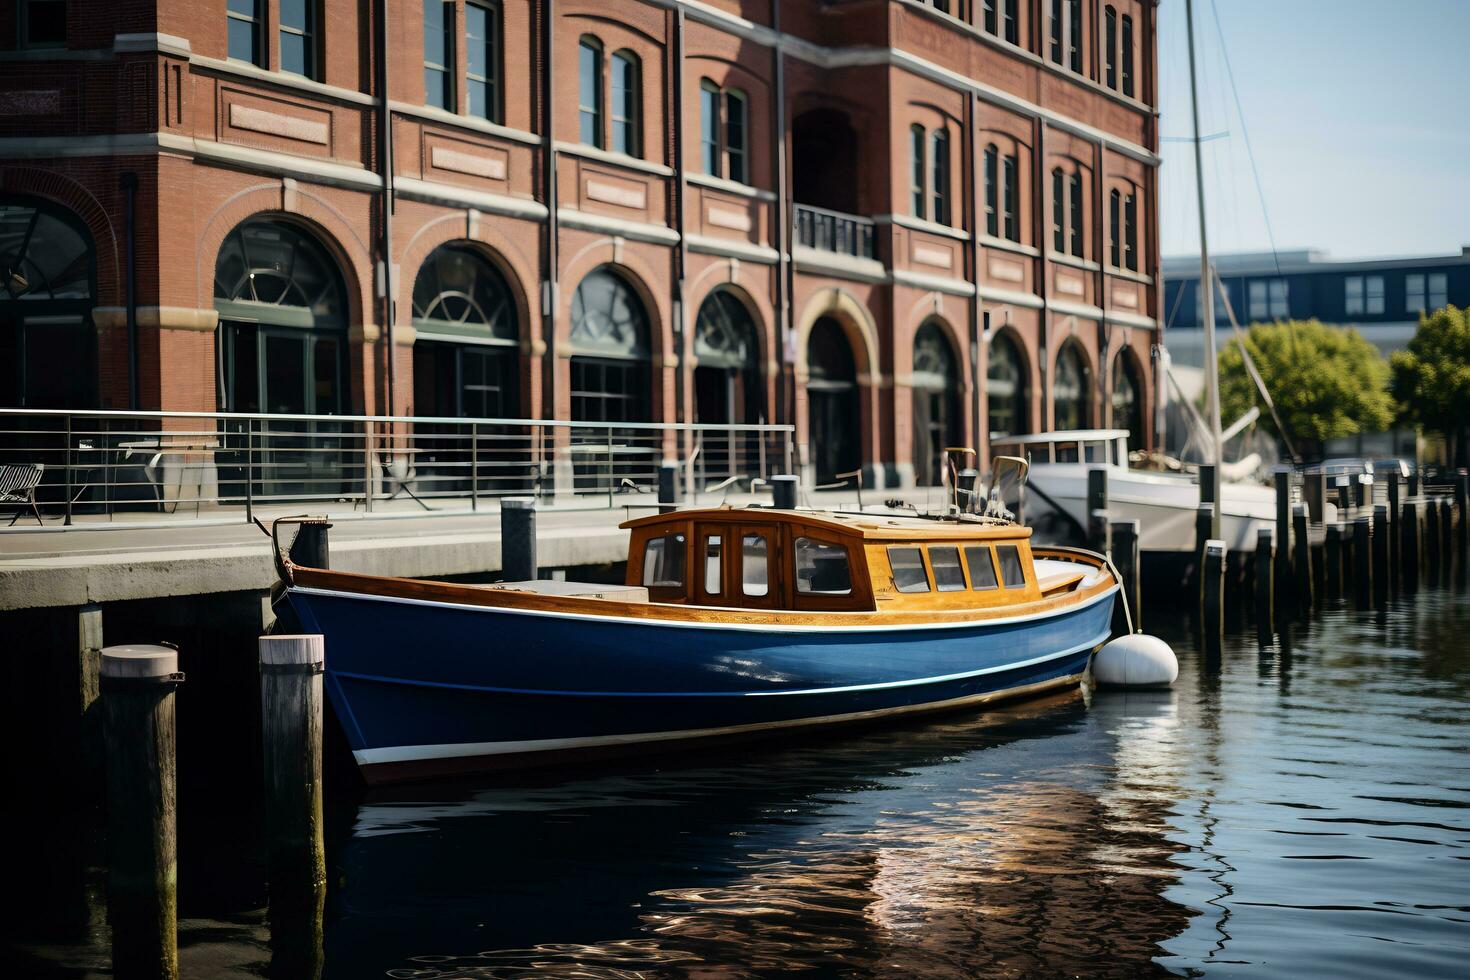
{"type": "Point", "coordinates": [833, 231]}
{"type": "Point", "coordinates": [106, 469]}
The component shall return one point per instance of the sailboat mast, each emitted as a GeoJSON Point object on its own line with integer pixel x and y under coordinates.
{"type": "Point", "coordinates": [1206, 281]}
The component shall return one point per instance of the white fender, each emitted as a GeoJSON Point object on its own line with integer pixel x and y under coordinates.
{"type": "Point", "coordinates": [1137, 660]}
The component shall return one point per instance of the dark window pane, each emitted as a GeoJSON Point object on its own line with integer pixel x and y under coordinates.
{"type": "Point", "coordinates": [663, 562]}
{"type": "Point", "coordinates": [982, 569]}
{"type": "Point", "coordinates": [709, 121]}
{"type": "Point", "coordinates": [242, 40]}
{"type": "Point", "coordinates": [948, 576]}
{"type": "Point", "coordinates": [822, 568]}
{"type": "Point", "coordinates": [625, 104]}
{"type": "Point", "coordinates": [1010, 566]}
{"type": "Point", "coordinates": [45, 23]}
{"type": "Point", "coordinates": [735, 135]}
{"type": "Point", "coordinates": [293, 54]}
{"type": "Point", "coordinates": [908, 569]}
{"type": "Point", "coordinates": [589, 87]}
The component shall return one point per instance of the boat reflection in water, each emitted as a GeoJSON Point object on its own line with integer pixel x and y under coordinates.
{"type": "Point", "coordinates": [1001, 843]}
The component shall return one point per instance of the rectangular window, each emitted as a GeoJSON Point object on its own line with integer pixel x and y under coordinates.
{"type": "Point", "coordinates": [1009, 25]}
{"type": "Point", "coordinates": [1439, 290]}
{"type": "Point", "coordinates": [735, 130]}
{"type": "Point", "coordinates": [589, 93]}
{"type": "Point", "coordinates": [916, 170]}
{"type": "Point", "coordinates": [1056, 31]}
{"type": "Point", "coordinates": [298, 37]}
{"type": "Point", "coordinates": [482, 64]}
{"type": "Point", "coordinates": [1130, 232]}
{"type": "Point", "coordinates": [713, 556]}
{"type": "Point", "coordinates": [1279, 305]}
{"type": "Point", "coordinates": [663, 562]}
{"type": "Point", "coordinates": [244, 19]}
{"type": "Point", "coordinates": [992, 191]}
{"type": "Point", "coordinates": [1110, 47]}
{"type": "Point", "coordinates": [991, 24]}
{"type": "Point", "coordinates": [709, 129]}
{"type": "Point", "coordinates": [1352, 299]}
{"type": "Point", "coordinates": [948, 576]}
{"type": "Point", "coordinates": [1074, 35]}
{"type": "Point", "coordinates": [1115, 227]}
{"type": "Point", "coordinates": [1373, 288]}
{"type": "Point", "coordinates": [939, 162]}
{"type": "Point", "coordinates": [438, 54]}
{"type": "Point", "coordinates": [624, 109]}
{"type": "Point", "coordinates": [982, 568]}
{"type": "Point", "coordinates": [1011, 573]}
{"type": "Point", "coordinates": [1058, 211]}
{"type": "Point", "coordinates": [43, 24]}
{"type": "Point", "coordinates": [1258, 308]}
{"type": "Point", "coordinates": [1009, 193]}
{"type": "Point", "coordinates": [755, 565]}
{"type": "Point", "coordinates": [822, 568]}
{"type": "Point", "coordinates": [1074, 218]}
{"type": "Point", "coordinates": [1414, 294]}
{"type": "Point", "coordinates": [907, 565]}
{"type": "Point", "coordinates": [1128, 55]}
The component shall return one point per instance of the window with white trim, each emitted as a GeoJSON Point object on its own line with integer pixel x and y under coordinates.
{"type": "Point", "coordinates": [724, 125]}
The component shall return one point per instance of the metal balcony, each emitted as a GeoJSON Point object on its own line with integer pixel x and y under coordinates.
{"type": "Point", "coordinates": [833, 231]}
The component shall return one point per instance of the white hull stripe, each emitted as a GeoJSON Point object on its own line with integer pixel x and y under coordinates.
{"type": "Point", "coordinates": [460, 750]}
{"type": "Point", "coordinates": [885, 685]}
{"type": "Point", "coordinates": [686, 624]}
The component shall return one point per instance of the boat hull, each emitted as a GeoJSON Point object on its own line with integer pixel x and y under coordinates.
{"type": "Point", "coordinates": [427, 688]}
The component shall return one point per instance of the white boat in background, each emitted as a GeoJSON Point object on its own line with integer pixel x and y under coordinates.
{"type": "Point", "coordinates": [1164, 503]}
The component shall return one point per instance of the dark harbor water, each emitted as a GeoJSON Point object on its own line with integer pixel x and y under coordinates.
{"type": "Point", "coordinates": [1303, 810]}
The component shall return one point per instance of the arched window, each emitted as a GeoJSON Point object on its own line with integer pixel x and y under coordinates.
{"type": "Point", "coordinates": [992, 191]}
{"type": "Point", "coordinates": [299, 37]}
{"type": "Point", "coordinates": [1001, 218]}
{"type": "Point", "coordinates": [1071, 390]}
{"type": "Point", "coordinates": [936, 406]}
{"type": "Point", "coordinates": [1130, 231]}
{"type": "Point", "coordinates": [832, 402]}
{"type": "Point", "coordinates": [1008, 399]}
{"type": "Point", "coordinates": [1128, 399]}
{"type": "Point", "coordinates": [482, 67]}
{"type": "Point", "coordinates": [736, 130]}
{"type": "Point", "coordinates": [939, 163]}
{"type": "Point", "coordinates": [438, 47]}
{"type": "Point", "coordinates": [47, 293]}
{"type": "Point", "coordinates": [589, 91]}
{"type": "Point", "coordinates": [466, 354]}
{"type": "Point", "coordinates": [611, 351]}
{"type": "Point", "coordinates": [727, 381]}
{"type": "Point", "coordinates": [1115, 228]}
{"type": "Point", "coordinates": [1066, 208]}
{"type": "Point", "coordinates": [723, 132]}
{"type": "Point", "coordinates": [916, 170]}
{"type": "Point", "coordinates": [627, 98]}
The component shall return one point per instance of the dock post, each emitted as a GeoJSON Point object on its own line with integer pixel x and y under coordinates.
{"type": "Point", "coordinates": [1447, 540]}
{"type": "Point", "coordinates": [1207, 483]}
{"type": "Point", "coordinates": [1126, 558]}
{"type": "Point", "coordinates": [1265, 607]}
{"type": "Point", "coordinates": [1362, 491]}
{"type": "Point", "coordinates": [1098, 538]}
{"type": "Point", "coordinates": [1462, 528]}
{"type": "Point", "coordinates": [1414, 482]}
{"type": "Point", "coordinates": [1395, 539]}
{"type": "Point", "coordinates": [1213, 606]}
{"type": "Point", "coordinates": [1302, 542]}
{"type": "Point", "coordinates": [1409, 542]}
{"type": "Point", "coordinates": [783, 491]}
{"type": "Point", "coordinates": [291, 726]}
{"type": "Point", "coordinates": [311, 548]}
{"type": "Point", "coordinates": [1344, 499]}
{"type": "Point", "coordinates": [1381, 538]}
{"type": "Point", "coordinates": [1332, 557]}
{"type": "Point", "coordinates": [968, 478]}
{"type": "Point", "coordinates": [1432, 541]}
{"type": "Point", "coordinates": [1363, 561]}
{"type": "Point", "coordinates": [518, 539]}
{"type": "Point", "coordinates": [1204, 526]}
{"type": "Point", "coordinates": [1282, 575]}
{"type": "Point", "coordinates": [138, 685]}
{"type": "Point", "coordinates": [668, 488]}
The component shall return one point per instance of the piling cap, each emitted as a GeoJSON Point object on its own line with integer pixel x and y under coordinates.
{"type": "Point", "coordinates": [139, 660]}
{"type": "Point", "coordinates": [298, 648]}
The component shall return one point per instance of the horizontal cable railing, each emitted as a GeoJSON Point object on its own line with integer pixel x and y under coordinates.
{"type": "Point", "coordinates": [105, 468]}
{"type": "Point", "coordinates": [833, 231]}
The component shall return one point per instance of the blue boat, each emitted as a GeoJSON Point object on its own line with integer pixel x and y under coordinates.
{"type": "Point", "coordinates": [733, 623]}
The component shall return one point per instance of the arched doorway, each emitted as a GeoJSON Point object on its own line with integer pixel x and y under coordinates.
{"type": "Point", "coordinates": [1071, 390]}
{"type": "Point", "coordinates": [833, 423]}
{"type": "Point", "coordinates": [283, 332]}
{"type": "Point", "coordinates": [727, 384]}
{"type": "Point", "coordinates": [936, 408]}
{"type": "Point", "coordinates": [466, 364]}
{"type": "Point", "coordinates": [48, 347]}
{"type": "Point", "coordinates": [1007, 396]}
{"type": "Point", "coordinates": [1128, 399]}
{"type": "Point", "coordinates": [610, 378]}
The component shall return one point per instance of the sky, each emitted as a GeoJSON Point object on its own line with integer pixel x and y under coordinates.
{"type": "Point", "coordinates": [1358, 112]}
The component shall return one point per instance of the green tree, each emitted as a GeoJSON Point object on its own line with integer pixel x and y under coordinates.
{"type": "Point", "coordinates": [1432, 378]}
{"type": "Point", "coordinates": [1326, 381]}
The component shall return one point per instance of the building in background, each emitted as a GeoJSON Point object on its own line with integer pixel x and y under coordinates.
{"type": "Point", "coordinates": [1382, 298]}
{"type": "Point", "coordinates": [897, 225]}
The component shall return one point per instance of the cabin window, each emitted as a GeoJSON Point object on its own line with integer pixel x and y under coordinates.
{"type": "Point", "coordinates": [821, 568]}
{"type": "Point", "coordinates": [663, 562]}
{"type": "Point", "coordinates": [1010, 566]}
{"type": "Point", "coordinates": [982, 568]}
{"type": "Point", "coordinates": [755, 571]}
{"type": "Point", "coordinates": [948, 576]}
{"type": "Point", "coordinates": [908, 569]}
{"type": "Point", "coordinates": [713, 552]}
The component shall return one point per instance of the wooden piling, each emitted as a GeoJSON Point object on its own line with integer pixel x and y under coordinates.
{"type": "Point", "coordinates": [1098, 536]}
{"type": "Point", "coordinates": [291, 728]}
{"type": "Point", "coordinates": [1281, 477]}
{"type": "Point", "coordinates": [1432, 541]}
{"type": "Point", "coordinates": [1204, 525]}
{"type": "Point", "coordinates": [1265, 606]}
{"type": "Point", "coordinates": [1381, 536]}
{"type": "Point", "coordinates": [518, 561]}
{"type": "Point", "coordinates": [1409, 541]}
{"type": "Point", "coordinates": [1395, 539]}
{"type": "Point", "coordinates": [1128, 560]}
{"type": "Point", "coordinates": [1212, 610]}
{"type": "Point", "coordinates": [1332, 557]}
{"type": "Point", "coordinates": [1363, 561]}
{"type": "Point", "coordinates": [1302, 542]}
{"type": "Point", "coordinates": [1462, 527]}
{"type": "Point", "coordinates": [138, 684]}
{"type": "Point", "coordinates": [1447, 540]}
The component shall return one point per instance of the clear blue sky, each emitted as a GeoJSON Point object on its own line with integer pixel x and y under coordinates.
{"type": "Point", "coordinates": [1358, 112]}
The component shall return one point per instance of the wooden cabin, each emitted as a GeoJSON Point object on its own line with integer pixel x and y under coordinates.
{"type": "Point", "coordinates": [761, 558]}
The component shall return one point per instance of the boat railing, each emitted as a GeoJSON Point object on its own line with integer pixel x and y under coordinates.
{"type": "Point", "coordinates": [110, 469]}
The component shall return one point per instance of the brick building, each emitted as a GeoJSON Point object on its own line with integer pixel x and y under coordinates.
{"type": "Point", "coordinates": [898, 225]}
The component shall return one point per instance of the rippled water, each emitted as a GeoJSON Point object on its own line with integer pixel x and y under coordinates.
{"type": "Point", "coordinates": [1303, 810]}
